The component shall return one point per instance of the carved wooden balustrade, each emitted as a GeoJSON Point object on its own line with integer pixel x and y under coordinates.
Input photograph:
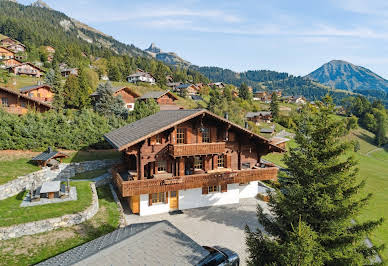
{"type": "Point", "coordinates": [148, 186]}
{"type": "Point", "coordinates": [177, 150]}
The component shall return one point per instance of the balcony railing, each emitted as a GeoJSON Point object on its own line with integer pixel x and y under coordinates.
{"type": "Point", "coordinates": [177, 150]}
{"type": "Point", "coordinates": [148, 186]}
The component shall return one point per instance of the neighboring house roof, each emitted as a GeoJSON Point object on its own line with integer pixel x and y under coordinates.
{"type": "Point", "coordinates": [184, 86]}
{"type": "Point", "coordinates": [156, 243]}
{"type": "Point", "coordinates": [25, 97]}
{"type": "Point", "coordinates": [28, 63]}
{"type": "Point", "coordinates": [140, 74]}
{"type": "Point", "coordinates": [278, 140]}
{"type": "Point", "coordinates": [261, 113]}
{"type": "Point", "coordinates": [2, 47]}
{"type": "Point", "coordinates": [34, 87]}
{"type": "Point", "coordinates": [142, 129]}
{"type": "Point", "coordinates": [48, 154]}
{"type": "Point", "coordinates": [196, 97]}
{"type": "Point", "coordinates": [267, 130]}
{"type": "Point", "coordinates": [173, 84]}
{"type": "Point", "coordinates": [157, 95]}
{"type": "Point", "coordinates": [117, 89]}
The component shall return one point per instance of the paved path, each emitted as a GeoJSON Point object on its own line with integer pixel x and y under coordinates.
{"type": "Point", "coordinates": [218, 225]}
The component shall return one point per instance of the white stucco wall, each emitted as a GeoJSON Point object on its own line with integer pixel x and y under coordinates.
{"type": "Point", "coordinates": [154, 208]}
{"type": "Point", "coordinates": [193, 198]}
{"type": "Point", "coordinates": [249, 191]}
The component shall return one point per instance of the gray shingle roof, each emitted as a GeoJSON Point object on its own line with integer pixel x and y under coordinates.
{"type": "Point", "coordinates": [113, 89]}
{"type": "Point", "coordinates": [157, 243]}
{"type": "Point", "coordinates": [29, 88]}
{"type": "Point", "coordinates": [153, 94]}
{"type": "Point", "coordinates": [47, 155]}
{"type": "Point", "coordinates": [253, 114]}
{"type": "Point", "coordinates": [267, 130]}
{"type": "Point", "coordinates": [139, 129]}
{"type": "Point", "coordinates": [184, 86]}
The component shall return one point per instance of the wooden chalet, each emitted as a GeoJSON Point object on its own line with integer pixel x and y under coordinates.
{"type": "Point", "coordinates": [49, 155]}
{"type": "Point", "coordinates": [27, 69]}
{"type": "Point", "coordinates": [191, 89]}
{"type": "Point", "coordinates": [10, 62]}
{"type": "Point", "coordinates": [17, 47]}
{"type": "Point", "coordinates": [165, 99]}
{"type": "Point", "coordinates": [8, 41]}
{"type": "Point", "coordinates": [279, 141]}
{"type": "Point", "coordinates": [219, 85]}
{"type": "Point", "coordinates": [65, 72]}
{"type": "Point", "coordinates": [42, 92]}
{"type": "Point", "coordinates": [5, 53]}
{"type": "Point", "coordinates": [182, 159]}
{"type": "Point", "coordinates": [128, 95]}
{"type": "Point", "coordinates": [49, 49]}
{"type": "Point", "coordinates": [17, 103]}
{"type": "Point", "coordinates": [258, 117]}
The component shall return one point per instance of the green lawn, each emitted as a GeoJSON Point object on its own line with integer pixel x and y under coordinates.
{"type": "Point", "coordinates": [374, 168]}
{"type": "Point", "coordinates": [17, 82]}
{"type": "Point", "coordinates": [90, 174]}
{"type": "Point", "coordinates": [81, 156]}
{"type": "Point", "coordinates": [11, 212]}
{"type": "Point", "coordinates": [10, 170]}
{"type": "Point", "coordinates": [29, 250]}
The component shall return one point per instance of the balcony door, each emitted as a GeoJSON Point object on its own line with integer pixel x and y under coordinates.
{"type": "Point", "coordinates": [173, 200]}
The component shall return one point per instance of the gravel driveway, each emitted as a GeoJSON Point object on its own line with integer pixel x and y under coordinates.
{"type": "Point", "coordinates": [209, 226]}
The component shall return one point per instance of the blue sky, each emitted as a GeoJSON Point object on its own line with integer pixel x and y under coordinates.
{"type": "Point", "coordinates": [292, 36]}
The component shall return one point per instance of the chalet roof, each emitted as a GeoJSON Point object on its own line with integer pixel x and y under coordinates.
{"type": "Point", "coordinates": [184, 86]}
{"type": "Point", "coordinates": [267, 130]}
{"type": "Point", "coordinates": [116, 89]}
{"type": "Point", "coordinates": [33, 87]}
{"type": "Point", "coordinates": [156, 94]}
{"type": "Point", "coordinates": [25, 97]}
{"type": "Point", "coordinates": [260, 113]}
{"type": "Point", "coordinates": [173, 84]}
{"type": "Point", "coordinates": [140, 74]}
{"type": "Point", "coordinates": [28, 63]}
{"type": "Point", "coordinates": [142, 129]}
{"type": "Point", "coordinates": [278, 140]}
{"type": "Point", "coordinates": [48, 154]}
{"type": "Point", "coordinates": [196, 98]}
{"type": "Point", "coordinates": [5, 48]}
{"type": "Point", "coordinates": [134, 245]}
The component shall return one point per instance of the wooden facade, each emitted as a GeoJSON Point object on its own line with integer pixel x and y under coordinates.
{"type": "Point", "coordinates": [203, 151]}
{"type": "Point", "coordinates": [27, 69]}
{"type": "Point", "coordinates": [6, 53]}
{"type": "Point", "coordinates": [17, 103]}
{"type": "Point", "coordinates": [43, 93]}
{"type": "Point", "coordinates": [11, 62]}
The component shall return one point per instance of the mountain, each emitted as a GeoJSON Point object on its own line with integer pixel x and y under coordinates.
{"type": "Point", "coordinates": [346, 76]}
{"type": "Point", "coordinates": [41, 4]}
{"type": "Point", "coordinates": [166, 57]}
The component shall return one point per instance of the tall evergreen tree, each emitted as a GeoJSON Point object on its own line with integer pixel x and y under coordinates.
{"type": "Point", "coordinates": [244, 92]}
{"type": "Point", "coordinates": [274, 106]}
{"type": "Point", "coordinates": [107, 104]}
{"type": "Point", "coordinates": [380, 134]}
{"type": "Point", "coordinates": [323, 189]}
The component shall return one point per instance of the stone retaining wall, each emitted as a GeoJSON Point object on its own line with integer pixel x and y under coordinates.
{"type": "Point", "coordinates": [32, 228]}
{"type": "Point", "coordinates": [122, 222]}
{"type": "Point", "coordinates": [66, 170]}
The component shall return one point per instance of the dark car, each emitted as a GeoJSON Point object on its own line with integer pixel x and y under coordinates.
{"type": "Point", "coordinates": [220, 256]}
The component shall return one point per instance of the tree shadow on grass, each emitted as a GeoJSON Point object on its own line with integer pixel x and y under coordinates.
{"type": "Point", "coordinates": [365, 137]}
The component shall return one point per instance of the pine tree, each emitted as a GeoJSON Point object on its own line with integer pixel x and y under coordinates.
{"type": "Point", "coordinates": [85, 89]}
{"type": "Point", "coordinates": [59, 98]}
{"type": "Point", "coordinates": [380, 134]}
{"type": "Point", "coordinates": [274, 106]}
{"type": "Point", "coordinates": [244, 92]}
{"type": "Point", "coordinates": [323, 189]}
{"type": "Point", "coordinates": [70, 92]}
{"type": "Point", "coordinates": [107, 104]}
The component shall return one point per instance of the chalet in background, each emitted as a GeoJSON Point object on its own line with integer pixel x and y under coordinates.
{"type": "Point", "coordinates": [10, 63]}
{"type": "Point", "coordinates": [65, 71]}
{"type": "Point", "coordinates": [191, 89]}
{"type": "Point", "coordinates": [43, 93]}
{"type": "Point", "coordinates": [219, 85]}
{"type": "Point", "coordinates": [141, 76]}
{"type": "Point", "coordinates": [294, 99]}
{"type": "Point", "coordinates": [173, 85]}
{"type": "Point", "coordinates": [259, 117]}
{"type": "Point", "coordinates": [26, 69]}
{"type": "Point", "coordinates": [6, 53]}
{"type": "Point", "coordinates": [184, 159]}
{"type": "Point", "coordinates": [8, 41]}
{"type": "Point", "coordinates": [279, 141]}
{"type": "Point", "coordinates": [165, 99]}
{"type": "Point", "coordinates": [17, 48]}
{"type": "Point", "coordinates": [266, 96]}
{"type": "Point", "coordinates": [128, 95]}
{"type": "Point", "coordinates": [17, 103]}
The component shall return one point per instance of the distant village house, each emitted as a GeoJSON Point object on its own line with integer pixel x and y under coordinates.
{"type": "Point", "coordinates": [141, 76]}
{"type": "Point", "coordinates": [127, 95]}
{"type": "Point", "coordinates": [258, 117]}
{"type": "Point", "coordinates": [42, 93]}
{"type": "Point", "coordinates": [6, 53]}
{"type": "Point", "coordinates": [26, 69]}
{"type": "Point", "coordinates": [165, 99]}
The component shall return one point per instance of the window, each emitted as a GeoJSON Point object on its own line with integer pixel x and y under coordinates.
{"type": "Point", "coordinates": [180, 135]}
{"type": "Point", "coordinates": [213, 189]}
{"type": "Point", "coordinates": [205, 135]}
{"type": "Point", "coordinates": [158, 197]}
{"type": "Point", "coordinates": [162, 166]}
{"type": "Point", "coordinates": [130, 106]}
{"type": "Point", "coordinates": [23, 104]}
{"type": "Point", "coordinates": [4, 102]}
{"type": "Point", "coordinates": [221, 161]}
{"type": "Point", "coordinates": [198, 164]}
{"type": "Point", "coordinates": [38, 95]}
{"type": "Point", "coordinates": [158, 139]}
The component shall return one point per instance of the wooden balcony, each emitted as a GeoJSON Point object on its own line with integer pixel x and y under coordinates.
{"type": "Point", "coordinates": [177, 150]}
{"type": "Point", "coordinates": [148, 186]}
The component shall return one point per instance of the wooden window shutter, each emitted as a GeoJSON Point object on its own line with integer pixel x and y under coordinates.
{"type": "Point", "coordinates": [188, 135]}
{"type": "Point", "coordinates": [166, 198]}
{"type": "Point", "coordinates": [153, 140]}
{"type": "Point", "coordinates": [224, 187]}
{"type": "Point", "coordinates": [213, 134]}
{"type": "Point", "coordinates": [228, 161]}
{"type": "Point", "coordinates": [199, 135]}
{"type": "Point", "coordinates": [149, 199]}
{"type": "Point", "coordinates": [205, 190]}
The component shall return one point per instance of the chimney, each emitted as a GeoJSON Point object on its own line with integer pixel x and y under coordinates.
{"type": "Point", "coordinates": [226, 116]}
{"type": "Point", "coordinates": [246, 125]}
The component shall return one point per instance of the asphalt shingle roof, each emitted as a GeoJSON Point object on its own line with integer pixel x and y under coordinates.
{"type": "Point", "coordinates": [29, 88]}
{"type": "Point", "coordinates": [139, 129]}
{"type": "Point", "coordinates": [153, 94]}
{"type": "Point", "coordinates": [253, 114]}
{"type": "Point", "coordinates": [157, 243]}
{"type": "Point", "coordinates": [47, 155]}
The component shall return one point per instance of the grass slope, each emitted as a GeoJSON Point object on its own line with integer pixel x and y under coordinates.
{"type": "Point", "coordinates": [11, 213]}
{"type": "Point", "coordinates": [10, 170]}
{"type": "Point", "coordinates": [90, 174]}
{"type": "Point", "coordinates": [29, 250]}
